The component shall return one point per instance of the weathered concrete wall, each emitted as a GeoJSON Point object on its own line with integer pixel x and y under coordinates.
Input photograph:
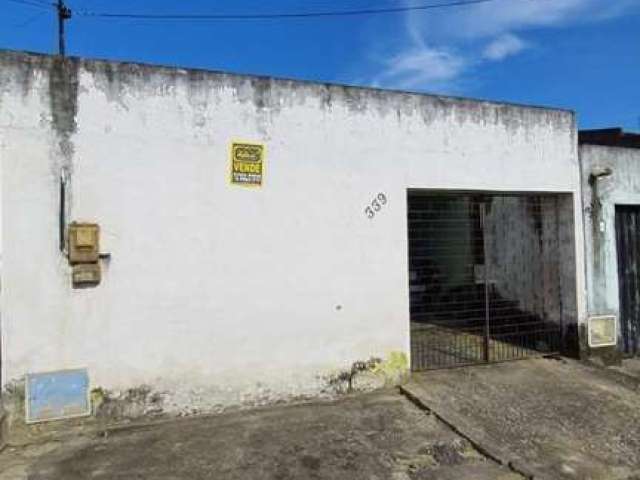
{"type": "Point", "coordinates": [622, 187]}
{"type": "Point", "coordinates": [216, 294]}
{"type": "Point", "coordinates": [529, 245]}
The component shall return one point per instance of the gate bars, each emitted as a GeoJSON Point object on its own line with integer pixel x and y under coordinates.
{"type": "Point", "coordinates": [484, 278]}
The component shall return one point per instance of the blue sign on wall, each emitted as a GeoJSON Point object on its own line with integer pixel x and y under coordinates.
{"type": "Point", "coordinates": [57, 395]}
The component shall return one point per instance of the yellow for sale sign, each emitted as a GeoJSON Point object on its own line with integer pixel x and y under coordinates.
{"type": "Point", "coordinates": [247, 164]}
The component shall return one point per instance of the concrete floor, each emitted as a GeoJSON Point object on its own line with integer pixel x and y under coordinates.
{"type": "Point", "coordinates": [631, 368]}
{"type": "Point", "coordinates": [380, 435]}
{"type": "Point", "coordinates": [557, 419]}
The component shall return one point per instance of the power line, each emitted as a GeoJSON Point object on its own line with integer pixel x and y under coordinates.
{"type": "Point", "coordinates": [30, 20]}
{"type": "Point", "coordinates": [64, 13]}
{"type": "Point", "coordinates": [33, 3]}
{"type": "Point", "coordinates": [280, 15]}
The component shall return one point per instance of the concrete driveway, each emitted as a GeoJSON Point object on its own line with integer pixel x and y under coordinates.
{"type": "Point", "coordinates": [555, 419]}
{"type": "Point", "coordinates": [373, 436]}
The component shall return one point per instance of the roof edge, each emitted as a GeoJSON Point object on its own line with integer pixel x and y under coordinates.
{"type": "Point", "coordinates": [170, 67]}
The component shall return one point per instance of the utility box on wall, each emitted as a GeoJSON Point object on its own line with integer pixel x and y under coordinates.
{"type": "Point", "coordinates": [84, 254]}
{"type": "Point", "coordinates": [86, 274]}
{"type": "Point", "coordinates": [84, 243]}
{"type": "Point", "coordinates": [603, 331]}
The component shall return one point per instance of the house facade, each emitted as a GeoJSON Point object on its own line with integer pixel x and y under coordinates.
{"type": "Point", "coordinates": [223, 239]}
{"type": "Point", "coordinates": [610, 166]}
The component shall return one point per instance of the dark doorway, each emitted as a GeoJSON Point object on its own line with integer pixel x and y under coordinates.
{"type": "Point", "coordinates": [485, 277]}
{"type": "Point", "coordinates": [628, 247]}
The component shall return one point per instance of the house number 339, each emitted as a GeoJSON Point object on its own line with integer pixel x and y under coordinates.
{"type": "Point", "coordinates": [376, 205]}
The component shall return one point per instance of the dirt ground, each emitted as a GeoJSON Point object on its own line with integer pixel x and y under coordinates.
{"type": "Point", "coordinates": [559, 418]}
{"type": "Point", "coordinates": [380, 435]}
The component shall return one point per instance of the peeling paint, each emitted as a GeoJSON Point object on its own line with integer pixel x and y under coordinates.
{"type": "Point", "coordinates": [364, 375]}
{"type": "Point", "coordinates": [130, 403]}
{"type": "Point", "coordinates": [240, 325]}
{"type": "Point", "coordinates": [13, 401]}
{"type": "Point", "coordinates": [343, 381]}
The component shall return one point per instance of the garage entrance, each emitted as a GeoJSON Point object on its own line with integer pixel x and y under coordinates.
{"type": "Point", "coordinates": [486, 279]}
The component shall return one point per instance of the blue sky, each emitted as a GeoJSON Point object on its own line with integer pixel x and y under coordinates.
{"type": "Point", "coordinates": [577, 54]}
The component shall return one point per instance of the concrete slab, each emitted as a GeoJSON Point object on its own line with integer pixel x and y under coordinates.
{"type": "Point", "coordinates": [379, 436]}
{"type": "Point", "coordinates": [630, 367]}
{"type": "Point", "coordinates": [555, 419]}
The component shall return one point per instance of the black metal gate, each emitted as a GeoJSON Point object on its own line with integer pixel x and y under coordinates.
{"type": "Point", "coordinates": [628, 246]}
{"type": "Point", "coordinates": [484, 278]}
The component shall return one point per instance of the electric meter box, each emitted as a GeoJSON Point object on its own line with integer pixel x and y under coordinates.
{"type": "Point", "coordinates": [84, 243]}
{"type": "Point", "coordinates": [86, 275]}
{"type": "Point", "coordinates": [603, 331]}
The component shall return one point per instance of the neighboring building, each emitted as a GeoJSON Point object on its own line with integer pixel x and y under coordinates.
{"type": "Point", "coordinates": [610, 161]}
{"type": "Point", "coordinates": [379, 224]}
{"type": "Point", "coordinates": [609, 137]}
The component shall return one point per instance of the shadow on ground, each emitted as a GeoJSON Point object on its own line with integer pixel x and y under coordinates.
{"type": "Point", "coordinates": [373, 436]}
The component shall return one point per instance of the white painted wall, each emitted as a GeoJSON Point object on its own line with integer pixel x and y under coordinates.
{"type": "Point", "coordinates": [217, 293]}
{"type": "Point", "coordinates": [622, 187]}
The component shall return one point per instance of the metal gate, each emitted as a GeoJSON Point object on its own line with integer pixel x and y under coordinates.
{"type": "Point", "coordinates": [628, 246]}
{"type": "Point", "coordinates": [484, 278]}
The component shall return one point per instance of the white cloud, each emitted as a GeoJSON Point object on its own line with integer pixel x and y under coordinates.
{"type": "Point", "coordinates": [503, 46]}
{"type": "Point", "coordinates": [421, 67]}
{"type": "Point", "coordinates": [494, 18]}
{"type": "Point", "coordinates": [442, 47]}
